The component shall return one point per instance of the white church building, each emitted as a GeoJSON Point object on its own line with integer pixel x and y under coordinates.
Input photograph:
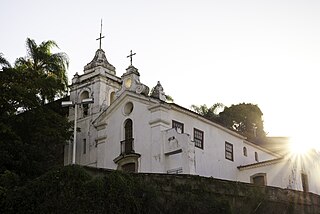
{"type": "Point", "coordinates": [127, 128]}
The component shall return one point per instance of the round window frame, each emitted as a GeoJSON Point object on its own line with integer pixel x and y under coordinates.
{"type": "Point", "coordinates": [128, 108]}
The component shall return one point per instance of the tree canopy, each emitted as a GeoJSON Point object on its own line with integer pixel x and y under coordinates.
{"type": "Point", "coordinates": [244, 118]}
{"type": "Point", "coordinates": [46, 69]}
{"type": "Point", "coordinates": [212, 113]}
{"type": "Point", "coordinates": [3, 62]}
{"type": "Point", "coordinates": [32, 133]}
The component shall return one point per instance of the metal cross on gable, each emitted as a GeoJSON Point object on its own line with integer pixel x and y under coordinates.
{"type": "Point", "coordinates": [101, 37]}
{"type": "Point", "coordinates": [131, 54]}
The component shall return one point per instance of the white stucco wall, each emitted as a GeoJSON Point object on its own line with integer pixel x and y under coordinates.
{"type": "Point", "coordinates": [211, 161]}
{"type": "Point", "coordinates": [277, 174]}
{"type": "Point", "coordinates": [99, 84]}
{"type": "Point", "coordinates": [314, 174]}
{"type": "Point", "coordinates": [286, 173]}
{"type": "Point", "coordinates": [103, 130]}
{"type": "Point", "coordinates": [148, 139]}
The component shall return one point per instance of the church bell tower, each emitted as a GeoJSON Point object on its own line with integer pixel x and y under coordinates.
{"type": "Point", "coordinates": [98, 83]}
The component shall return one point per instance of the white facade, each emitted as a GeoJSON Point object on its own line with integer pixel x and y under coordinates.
{"type": "Point", "coordinates": [127, 129]}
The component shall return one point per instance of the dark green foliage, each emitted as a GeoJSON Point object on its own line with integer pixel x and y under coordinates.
{"type": "Point", "coordinates": [18, 91]}
{"type": "Point", "coordinates": [211, 113]}
{"type": "Point", "coordinates": [32, 134]}
{"type": "Point", "coordinates": [244, 118]}
{"type": "Point", "coordinates": [72, 190]}
{"type": "Point", "coordinates": [188, 200]}
{"type": "Point", "coordinates": [8, 181]}
{"type": "Point", "coordinates": [58, 191]}
{"type": "Point", "coordinates": [31, 143]}
{"type": "Point", "coordinates": [47, 69]}
{"type": "Point", "coordinates": [118, 193]}
{"type": "Point", "coordinates": [44, 134]}
{"type": "Point", "coordinates": [3, 62]}
{"type": "Point", "coordinates": [168, 97]}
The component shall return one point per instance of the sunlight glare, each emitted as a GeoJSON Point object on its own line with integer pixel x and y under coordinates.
{"type": "Point", "coordinates": [297, 147]}
{"type": "Point", "coordinates": [303, 138]}
{"type": "Point", "coordinates": [301, 145]}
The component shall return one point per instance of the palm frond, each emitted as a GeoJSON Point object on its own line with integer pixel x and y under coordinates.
{"type": "Point", "coordinates": [4, 62]}
{"type": "Point", "coordinates": [50, 69]}
{"type": "Point", "coordinates": [31, 47]}
{"type": "Point", "coordinates": [46, 46]}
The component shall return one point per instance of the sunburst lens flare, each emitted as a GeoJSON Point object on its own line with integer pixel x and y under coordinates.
{"type": "Point", "coordinates": [299, 146]}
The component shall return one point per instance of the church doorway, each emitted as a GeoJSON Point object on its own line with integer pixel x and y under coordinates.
{"type": "Point", "coordinates": [128, 159]}
{"type": "Point", "coordinates": [129, 167]}
{"type": "Point", "coordinates": [259, 179]}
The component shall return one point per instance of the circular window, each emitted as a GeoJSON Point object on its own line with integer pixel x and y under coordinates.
{"type": "Point", "coordinates": [128, 108]}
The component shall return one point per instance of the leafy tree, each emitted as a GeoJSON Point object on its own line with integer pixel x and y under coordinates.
{"type": "Point", "coordinates": [47, 69]}
{"type": "Point", "coordinates": [211, 113]}
{"type": "Point", "coordinates": [71, 189]}
{"type": "Point", "coordinates": [11, 91]}
{"type": "Point", "coordinates": [32, 134]}
{"type": "Point", "coordinates": [245, 118]}
{"type": "Point", "coordinates": [18, 90]}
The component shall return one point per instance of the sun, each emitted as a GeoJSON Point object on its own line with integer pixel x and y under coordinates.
{"type": "Point", "coordinates": [303, 138]}
{"type": "Point", "coordinates": [299, 145]}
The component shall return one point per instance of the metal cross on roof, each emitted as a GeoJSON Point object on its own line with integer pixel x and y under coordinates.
{"type": "Point", "coordinates": [101, 37]}
{"type": "Point", "coordinates": [131, 54]}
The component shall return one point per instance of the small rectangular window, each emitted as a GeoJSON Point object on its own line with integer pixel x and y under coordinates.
{"type": "Point", "coordinates": [198, 137]}
{"type": "Point", "coordinates": [84, 146]}
{"type": "Point", "coordinates": [229, 151]}
{"type": "Point", "coordinates": [178, 126]}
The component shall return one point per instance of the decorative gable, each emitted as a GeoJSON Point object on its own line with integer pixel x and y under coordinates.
{"type": "Point", "coordinates": [131, 82]}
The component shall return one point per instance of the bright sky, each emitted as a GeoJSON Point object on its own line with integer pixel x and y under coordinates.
{"type": "Point", "coordinates": [202, 51]}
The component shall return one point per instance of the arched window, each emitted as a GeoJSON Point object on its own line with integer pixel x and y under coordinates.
{"type": "Point", "coordinates": [112, 97]}
{"type": "Point", "coordinates": [127, 143]}
{"type": "Point", "coordinates": [85, 107]}
{"type": "Point", "coordinates": [128, 129]}
{"type": "Point", "coordinates": [256, 156]}
{"type": "Point", "coordinates": [245, 151]}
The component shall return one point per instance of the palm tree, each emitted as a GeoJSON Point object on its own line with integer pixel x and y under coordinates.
{"type": "Point", "coordinates": [211, 113]}
{"type": "Point", "coordinates": [3, 62]}
{"type": "Point", "coordinates": [46, 68]}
